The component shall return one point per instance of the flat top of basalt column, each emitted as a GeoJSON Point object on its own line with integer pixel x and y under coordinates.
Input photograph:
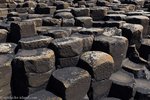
{"type": "Point", "coordinates": [83, 17]}
{"type": "Point", "coordinates": [96, 58]}
{"type": "Point", "coordinates": [142, 86]}
{"type": "Point", "coordinates": [35, 39]}
{"type": "Point", "coordinates": [131, 65]}
{"type": "Point", "coordinates": [112, 39]}
{"type": "Point", "coordinates": [67, 40]}
{"type": "Point", "coordinates": [133, 27]}
{"type": "Point", "coordinates": [70, 75]}
{"type": "Point", "coordinates": [7, 47]}
{"type": "Point", "coordinates": [35, 53]}
{"type": "Point", "coordinates": [115, 15]}
{"type": "Point", "coordinates": [122, 78]}
{"type": "Point", "coordinates": [146, 42]}
{"type": "Point", "coordinates": [138, 17]}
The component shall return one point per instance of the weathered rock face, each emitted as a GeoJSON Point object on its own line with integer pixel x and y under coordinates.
{"type": "Point", "coordinates": [99, 64]}
{"type": "Point", "coordinates": [122, 82]}
{"type": "Point", "coordinates": [5, 74]}
{"type": "Point", "coordinates": [69, 83]}
{"type": "Point", "coordinates": [67, 47]}
{"type": "Point", "coordinates": [36, 60]}
{"type": "Point", "coordinates": [75, 49]}
{"type": "Point", "coordinates": [21, 30]}
{"type": "Point", "coordinates": [34, 42]}
{"type": "Point", "coordinates": [31, 68]}
{"type": "Point", "coordinates": [111, 45]}
{"type": "Point", "coordinates": [134, 33]}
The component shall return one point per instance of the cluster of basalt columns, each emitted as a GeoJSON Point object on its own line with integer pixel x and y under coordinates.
{"type": "Point", "coordinates": [75, 49]}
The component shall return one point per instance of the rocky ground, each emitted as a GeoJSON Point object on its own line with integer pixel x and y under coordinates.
{"type": "Point", "coordinates": [75, 49]}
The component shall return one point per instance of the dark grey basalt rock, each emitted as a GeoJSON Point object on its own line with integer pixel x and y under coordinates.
{"type": "Point", "coordinates": [142, 89]}
{"type": "Point", "coordinates": [122, 83]}
{"type": "Point", "coordinates": [134, 33]}
{"type": "Point", "coordinates": [5, 74]}
{"type": "Point", "coordinates": [67, 47]}
{"type": "Point", "coordinates": [43, 95]}
{"type": "Point", "coordinates": [66, 15]}
{"type": "Point", "coordinates": [100, 65]}
{"type": "Point", "coordinates": [67, 62]}
{"type": "Point", "coordinates": [99, 89]}
{"type": "Point", "coordinates": [68, 22]}
{"type": "Point", "coordinates": [116, 46]}
{"type": "Point", "coordinates": [98, 13]}
{"type": "Point", "coordinates": [138, 70]}
{"type": "Point", "coordinates": [3, 35]}
{"type": "Point", "coordinates": [20, 30]}
{"type": "Point", "coordinates": [80, 12]}
{"type": "Point", "coordinates": [142, 20]}
{"type": "Point", "coordinates": [38, 79]}
{"type": "Point", "coordinates": [83, 21]}
{"type": "Point", "coordinates": [71, 83]}
{"type": "Point", "coordinates": [35, 61]}
{"type": "Point", "coordinates": [58, 33]}
{"type": "Point", "coordinates": [48, 21]}
{"type": "Point", "coordinates": [34, 42]}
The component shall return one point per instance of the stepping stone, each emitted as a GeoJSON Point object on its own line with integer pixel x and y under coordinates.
{"type": "Point", "coordinates": [34, 61]}
{"type": "Point", "coordinates": [99, 89]}
{"type": "Point", "coordinates": [67, 47]}
{"type": "Point", "coordinates": [112, 31]}
{"type": "Point", "coordinates": [133, 32]}
{"type": "Point", "coordinates": [98, 13]}
{"type": "Point", "coordinates": [142, 89]}
{"type": "Point", "coordinates": [102, 3]}
{"type": "Point", "coordinates": [100, 65]}
{"type": "Point", "coordinates": [3, 35]}
{"type": "Point", "coordinates": [80, 12]}
{"type": "Point", "coordinates": [117, 24]}
{"type": "Point", "coordinates": [48, 21]}
{"type": "Point", "coordinates": [142, 20]}
{"type": "Point", "coordinates": [111, 45]}
{"type": "Point", "coordinates": [83, 21]}
{"type": "Point", "coordinates": [58, 33]}
{"type": "Point", "coordinates": [7, 48]}
{"type": "Point", "coordinates": [34, 42]}
{"type": "Point", "coordinates": [63, 15]}
{"type": "Point", "coordinates": [20, 30]}
{"type": "Point", "coordinates": [87, 40]}
{"type": "Point", "coordinates": [61, 5]}
{"type": "Point", "coordinates": [37, 21]}
{"type": "Point", "coordinates": [43, 95]}
{"type": "Point", "coordinates": [91, 31]}
{"type": "Point", "coordinates": [122, 83]}
{"type": "Point", "coordinates": [117, 17]}
{"type": "Point", "coordinates": [68, 22]}
{"type": "Point", "coordinates": [138, 70]}
{"type": "Point", "coordinates": [71, 83]}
